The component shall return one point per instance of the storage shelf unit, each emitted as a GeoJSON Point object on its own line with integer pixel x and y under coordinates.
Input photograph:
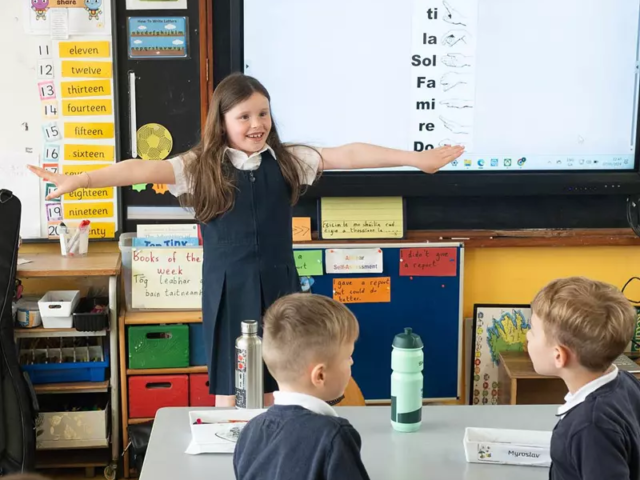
{"type": "Point", "coordinates": [139, 319]}
{"type": "Point", "coordinates": [89, 454]}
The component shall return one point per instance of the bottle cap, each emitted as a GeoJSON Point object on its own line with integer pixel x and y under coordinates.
{"type": "Point", "coordinates": [408, 339]}
{"type": "Point", "coordinates": [249, 326]}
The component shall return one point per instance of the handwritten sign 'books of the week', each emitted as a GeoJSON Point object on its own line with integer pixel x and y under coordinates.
{"type": "Point", "coordinates": [354, 260]}
{"type": "Point", "coordinates": [362, 290]}
{"type": "Point", "coordinates": [428, 262]}
{"type": "Point", "coordinates": [166, 278]}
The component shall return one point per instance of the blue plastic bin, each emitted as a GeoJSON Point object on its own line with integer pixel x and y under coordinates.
{"type": "Point", "coordinates": [68, 372]}
{"type": "Point", "coordinates": [197, 354]}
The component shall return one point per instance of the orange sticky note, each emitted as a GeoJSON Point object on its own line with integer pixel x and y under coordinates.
{"type": "Point", "coordinates": [301, 229]}
{"type": "Point", "coordinates": [362, 290]}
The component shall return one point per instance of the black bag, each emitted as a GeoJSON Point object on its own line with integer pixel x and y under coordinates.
{"type": "Point", "coordinates": [139, 435]}
{"type": "Point", "coordinates": [18, 404]}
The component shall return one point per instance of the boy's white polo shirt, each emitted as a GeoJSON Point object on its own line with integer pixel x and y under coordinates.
{"type": "Point", "coordinates": [309, 402]}
{"type": "Point", "coordinates": [572, 400]}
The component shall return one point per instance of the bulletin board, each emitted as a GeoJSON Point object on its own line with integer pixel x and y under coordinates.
{"type": "Point", "coordinates": [58, 96]}
{"type": "Point", "coordinates": [425, 294]}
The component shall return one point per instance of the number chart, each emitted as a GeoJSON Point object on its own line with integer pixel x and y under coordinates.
{"type": "Point", "coordinates": [62, 90]}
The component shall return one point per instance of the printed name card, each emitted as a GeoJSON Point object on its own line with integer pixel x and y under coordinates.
{"type": "Point", "coordinates": [80, 169]}
{"type": "Point", "coordinates": [84, 210]}
{"type": "Point", "coordinates": [166, 278]}
{"type": "Point", "coordinates": [354, 260]}
{"type": "Point", "coordinates": [88, 130]}
{"type": "Point", "coordinates": [74, 108]}
{"type": "Point", "coordinates": [76, 69]}
{"type": "Point", "coordinates": [102, 230]}
{"type": "Point", "coordinates": [104, 193]}
{"type": "Point", "coordinates": [428, 262]}
{"type": "Point", "coordinates": [88, 153]}
{"type": "Point", "coordinates": [363, 217]}
{"type": "Point", "coordinates": [84, 49]}
{"type": "Point", "coordinates": [308, 262]}
{"type": "Point", "coordinates": [86, 88]}
{"type": "Point", "coordinates": [362, 290]}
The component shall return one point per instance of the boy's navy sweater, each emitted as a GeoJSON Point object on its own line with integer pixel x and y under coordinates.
{"type": "Point", "coordinates": [599, 439]}
{"type": "Point", "coordinates": [289, 442]}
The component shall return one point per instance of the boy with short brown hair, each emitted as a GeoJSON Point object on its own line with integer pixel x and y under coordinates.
{"type": "Point", "coordinates": [578, 328]}
{"type": "Point", "coordinates": [307, 347]}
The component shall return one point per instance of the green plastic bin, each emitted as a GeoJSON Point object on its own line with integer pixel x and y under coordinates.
{"type": "Point", "coordinates": [158, 346]}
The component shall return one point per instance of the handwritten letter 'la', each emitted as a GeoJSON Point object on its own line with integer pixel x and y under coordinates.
{"type": "Point", "coordinates": [166, 278]}
{"type": "Point", "coordinates": [428, 262]}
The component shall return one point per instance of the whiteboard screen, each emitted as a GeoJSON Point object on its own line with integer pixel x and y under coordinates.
{"type": "Point", "coordinates": [523, 85]}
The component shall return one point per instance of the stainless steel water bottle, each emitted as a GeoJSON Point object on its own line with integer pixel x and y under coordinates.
{"type": "Point", "coordinates": [249, 367]}
{"type": "Point", "coordinates": [407, 362]}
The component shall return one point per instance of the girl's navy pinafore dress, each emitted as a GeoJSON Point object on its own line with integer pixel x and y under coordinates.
{"type": "Point", "coordinates": [248, 265]}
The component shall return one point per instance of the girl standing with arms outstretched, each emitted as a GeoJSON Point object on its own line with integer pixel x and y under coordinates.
{"type": "Point", "coordinates": [241, 182]}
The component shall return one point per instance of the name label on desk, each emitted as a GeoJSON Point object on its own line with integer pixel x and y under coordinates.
{"type": "Point", "coordinates": [513, 455]}
{"type": "Point", "coordinates": [166, 278]}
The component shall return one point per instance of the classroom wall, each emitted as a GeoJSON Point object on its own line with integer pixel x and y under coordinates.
{"type": "Point", "coordinates": [510, 275]}
{"type": "Point", "coordinates": [514, 275]}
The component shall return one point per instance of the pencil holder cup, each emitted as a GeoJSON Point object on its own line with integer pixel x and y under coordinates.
{"type": "Point", "coordinates": [74, 241]}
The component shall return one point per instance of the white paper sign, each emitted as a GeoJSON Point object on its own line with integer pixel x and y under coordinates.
{"type": "Point", "coordinates": [166, 278]}
{"type": "Point", "coordinates": [354, 260]}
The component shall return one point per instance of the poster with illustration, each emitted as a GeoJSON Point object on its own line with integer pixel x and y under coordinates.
{"type": "Point", "coordinates": [496, 329]}
{"type": "Point", "coordinates": [158, 37]}
{"type": "Point", "coordinates": [82, 17]}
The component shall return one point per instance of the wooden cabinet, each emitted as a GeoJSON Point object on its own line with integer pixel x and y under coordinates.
{"type": "Point", "coordinates": [521, 385]}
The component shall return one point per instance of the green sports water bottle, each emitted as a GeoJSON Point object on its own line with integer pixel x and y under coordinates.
{"type": "Point", "coordinates": [407, 362]}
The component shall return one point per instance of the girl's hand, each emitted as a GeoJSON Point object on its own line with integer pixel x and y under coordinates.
{"type": "Point", "coordinates": [64, 183]}
{"type": "Point", "coordinates": [432, 160]}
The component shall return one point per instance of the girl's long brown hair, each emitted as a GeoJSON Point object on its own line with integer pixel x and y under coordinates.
{"type": "Point", "coordinates": [209, 172]}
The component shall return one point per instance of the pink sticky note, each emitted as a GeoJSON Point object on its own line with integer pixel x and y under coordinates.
{"type": "Point", "coordinates": [47, 90]}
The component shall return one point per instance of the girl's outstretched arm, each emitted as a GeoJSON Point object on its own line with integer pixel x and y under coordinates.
{"type": "Point", "coordinates": [128, 172]}
{"type": "Point", "coordinates": [363, 155]}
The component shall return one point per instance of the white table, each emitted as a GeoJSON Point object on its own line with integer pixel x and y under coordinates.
{"type": "Point", "coordinates": [434, 452]}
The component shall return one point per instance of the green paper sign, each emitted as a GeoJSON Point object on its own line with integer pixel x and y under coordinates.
{"type": "Point", "coordinates": [308, 262]}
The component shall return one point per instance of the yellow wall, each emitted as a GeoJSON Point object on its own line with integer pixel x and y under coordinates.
{"type": "Point", "coordinates": [514, 275]}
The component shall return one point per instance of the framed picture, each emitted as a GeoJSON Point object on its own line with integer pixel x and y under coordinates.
{"type": "Point", "coordinates": [496, 328]}
{"type": "Point", "coordinates": [158, 38]}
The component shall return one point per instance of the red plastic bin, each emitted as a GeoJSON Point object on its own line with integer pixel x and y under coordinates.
{"type": "Point", "coordinates": [149, 393]}
{"type": "Point", "coordinates": [199, 395]}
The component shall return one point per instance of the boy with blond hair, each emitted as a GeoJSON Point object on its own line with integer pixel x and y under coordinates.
{"type": "Point", "coordinates": [578, 328]}
{"type": "Point", "coordinates": [307, 347]}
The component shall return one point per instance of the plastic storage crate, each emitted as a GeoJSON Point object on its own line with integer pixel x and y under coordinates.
{"type": "Point", "coordinates": [65, 364]}
{"type": "Point", "coordinates": [148, 393]}
{"type": "Point", "coordinates": [84, 320]}
{"type": "Point", "coordinates": [158, 346]}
